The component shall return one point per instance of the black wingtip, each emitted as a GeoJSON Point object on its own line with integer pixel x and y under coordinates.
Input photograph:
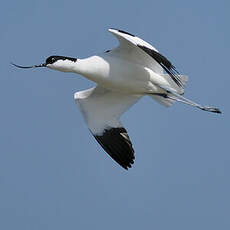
{"type": "Point", "coordinates": [116, 142]}
{"type": "Point", "coordinates": [123, 32]}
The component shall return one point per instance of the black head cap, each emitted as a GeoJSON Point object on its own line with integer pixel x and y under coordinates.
{"type": "Point", "coordinates": [53, 59]}
{"type": "Point", "coordinates": [49, 60]}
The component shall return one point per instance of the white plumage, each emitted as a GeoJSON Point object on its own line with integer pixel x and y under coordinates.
{"type": "Point", "coordinates": [124, 74]}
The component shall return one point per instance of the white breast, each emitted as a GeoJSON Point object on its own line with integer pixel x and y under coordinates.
{"type": "Point", "coordinates": [117, 74]}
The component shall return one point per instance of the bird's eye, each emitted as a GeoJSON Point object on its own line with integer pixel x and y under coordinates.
{"type": "Point", "coordinates": [53, 59]}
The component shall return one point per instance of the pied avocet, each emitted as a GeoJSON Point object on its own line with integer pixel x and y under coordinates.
{"type": "Point", "coordinates": [123, 75]}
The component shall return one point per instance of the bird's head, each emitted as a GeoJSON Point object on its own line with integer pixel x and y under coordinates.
{"type": "Point", "coordinates": [61, 63]}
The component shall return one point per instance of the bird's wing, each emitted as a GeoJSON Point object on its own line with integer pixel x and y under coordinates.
{"type": "Point", "coordinates": [102, 109]}
{"type": "Point", "coordinates": [137, 50]}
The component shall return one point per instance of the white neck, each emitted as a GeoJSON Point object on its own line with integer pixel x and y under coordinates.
{"type": "Point", "coordinates": [93, 68]}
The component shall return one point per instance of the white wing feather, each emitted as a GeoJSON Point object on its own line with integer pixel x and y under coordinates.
{"type": "Point", "coordinates": [129, 50]}
{"type": "Point", "coordinates": [102, 108]}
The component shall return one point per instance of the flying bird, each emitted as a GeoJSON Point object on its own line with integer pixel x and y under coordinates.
{"type": "Point", "coordinates": [123, 75]}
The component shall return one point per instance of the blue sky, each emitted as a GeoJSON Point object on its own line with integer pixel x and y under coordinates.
{"type": "Point", "coordinates": [53, 174]}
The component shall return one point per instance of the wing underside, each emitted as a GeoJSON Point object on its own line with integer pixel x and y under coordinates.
{"type": "Point", "coordinates": [102, 109]}
{"type": "Point", "coordinates": [116, 142]}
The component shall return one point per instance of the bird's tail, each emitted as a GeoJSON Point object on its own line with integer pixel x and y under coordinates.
{"type": "Point", "coordinates": [171, 95]}
{"type": "Point", "coordinates": [178, 88]}
{"type": "Point", "coordinates": [177, 97]}
{"type": "Point", "coordinates": [162, 98]}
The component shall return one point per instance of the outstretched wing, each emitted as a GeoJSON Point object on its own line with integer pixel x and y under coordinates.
{"type": "Point", "coordinates": [135, 49]}
{"type": "Point", "coordinates": [102, 109]}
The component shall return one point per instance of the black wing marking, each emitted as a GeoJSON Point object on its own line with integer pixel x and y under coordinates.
{"type": "Point", "coordinates": [123, 32]}
{"type": "Point", "coordinates": [116, 142]}
{"type": "Point", "coordinates": [165, 64]}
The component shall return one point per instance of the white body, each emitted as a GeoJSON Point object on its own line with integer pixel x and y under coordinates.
{"type": "Point", "coordinates": [117, 74]}
{"type": "Point", "coordinates": [126, 68]}
{"type": "Point", "coordinates": [123, 75]}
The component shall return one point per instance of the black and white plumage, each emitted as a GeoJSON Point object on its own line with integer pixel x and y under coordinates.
{"type": "Point", "coordinates": [102, 109]}
{"type": "Point", "coordinates": [123, 75]}
{"type": "Point", "coordinates": [116, 142]}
